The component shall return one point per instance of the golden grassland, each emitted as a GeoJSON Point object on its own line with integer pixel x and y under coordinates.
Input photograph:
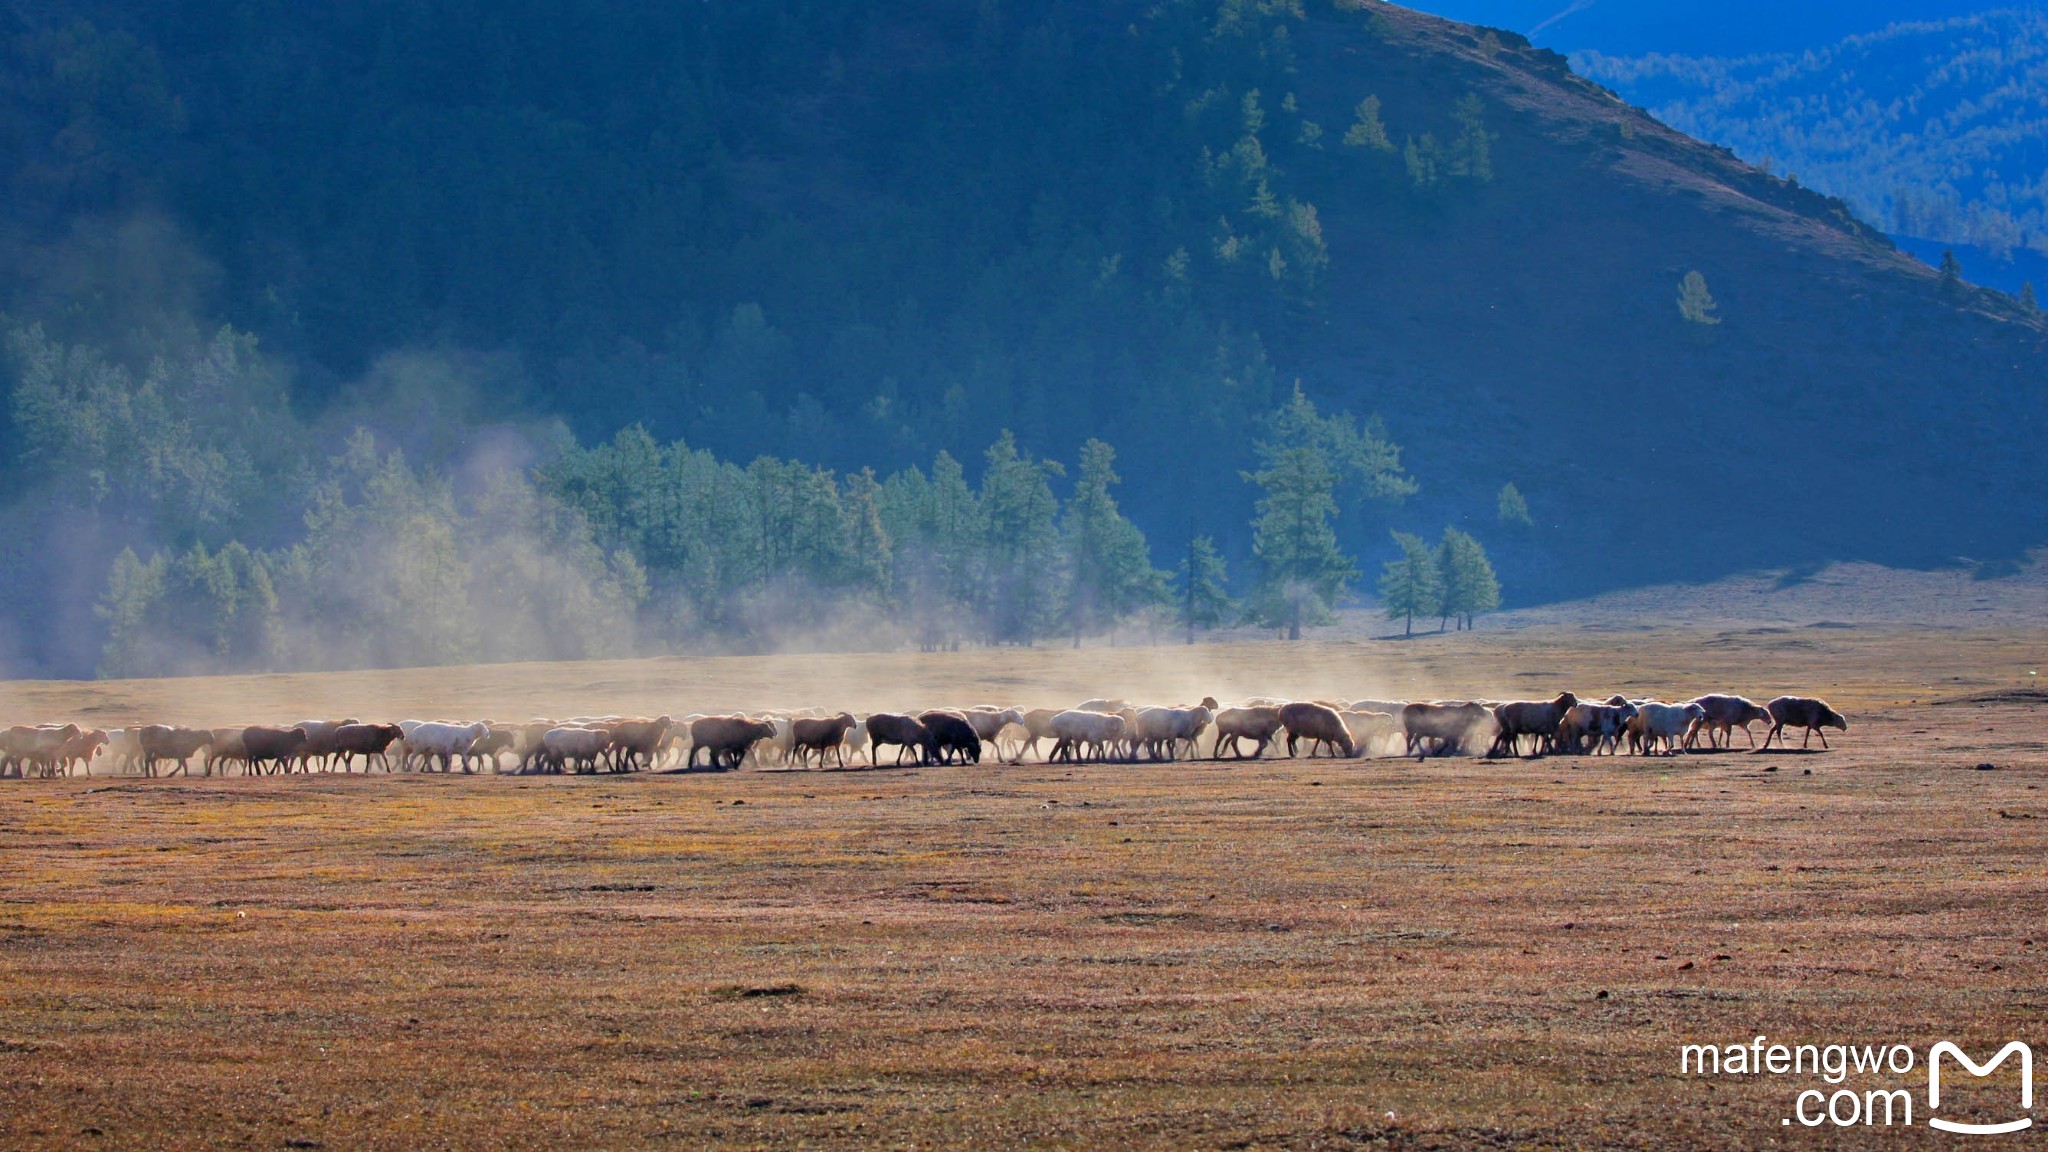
{"type": "Point", "coordinates": [1286, 953]}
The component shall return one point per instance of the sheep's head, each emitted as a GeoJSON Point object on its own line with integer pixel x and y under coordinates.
{"type": "Point", "coordinates": [1829, 718]}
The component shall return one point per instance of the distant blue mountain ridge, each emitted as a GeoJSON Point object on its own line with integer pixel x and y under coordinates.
{"type": "Point", "coordinates": [1930, 119]}
{"type": "Point", "coordinates": [1698, 27]}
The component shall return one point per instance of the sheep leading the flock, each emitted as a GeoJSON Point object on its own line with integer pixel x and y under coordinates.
{"type": "Point", "coordinates": [1803, 712]}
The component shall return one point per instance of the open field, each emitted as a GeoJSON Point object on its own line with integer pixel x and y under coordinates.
{"type": "Point", "coordinates": [1281, 954]}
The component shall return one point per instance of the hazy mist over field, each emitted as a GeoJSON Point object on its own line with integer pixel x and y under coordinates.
{"type": "Point", "coordinates": [398, 334]}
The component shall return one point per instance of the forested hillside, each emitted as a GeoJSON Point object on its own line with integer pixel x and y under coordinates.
{"type": "Point", "coordinates": [1929, 129]}
{"type": "Point", "coordinates": [352, 295]}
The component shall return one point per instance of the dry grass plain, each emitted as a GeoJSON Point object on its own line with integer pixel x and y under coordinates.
{"type": "Point", "coordinates": [1279, 954]}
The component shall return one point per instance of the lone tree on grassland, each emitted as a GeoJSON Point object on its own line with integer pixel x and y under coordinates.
{"type": "Point", "coordinates": [1466, 577]}
{"type": "Point", "coordinates": [1514, 511]}
{"type": "Point", "coordinates": [1304, 459]}
{"type": "Point", "coordinates": [1410, 586]}
{"type": "Point", "coordinates": [1951, 272]}
{"type": "Point", "coordinates": [1695, 303]}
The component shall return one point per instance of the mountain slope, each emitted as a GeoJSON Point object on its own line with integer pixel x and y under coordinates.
{"type": "Point", "coordinates": [859, 233]}
{"type": "Point", "coordinates": [1845, 406]}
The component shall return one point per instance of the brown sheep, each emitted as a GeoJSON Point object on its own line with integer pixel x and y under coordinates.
{"type": "Point", "coordinates": [1318, 724]}
{"type": "Point", "coordinates": [726, 739]}
{"type": "Point", "coordinates": [319, 743]}
{"type": "Point", "coordinates": [274, 746]}
{"type": "Point", "coordinates": [1258, 724]}
{"type": "Point", "coordinates": [907, 732]}
{"type": "Point", "coordinates": [40, 748]}
{"type": "Point", "coordinates": [226, 746]}
{"type": "Point", "coordinates": [1538, 718]}
{"type": "Point", "coordinates": [816, 737]}
{"type": "Point", "coordinates": [500, 739]}
{"type": "Point", "coordinates": [164, 742]}
{"type": "Point", "coordinates": [633, 741]}
{"type": "Point", "coordinates": [80, 750]}
{"type": "Point", "coordinates": [365, 740]}
{"type": "Point", "coordinates": [947, 733]}
{"type": "Point", "coordinates": [1803, 712]}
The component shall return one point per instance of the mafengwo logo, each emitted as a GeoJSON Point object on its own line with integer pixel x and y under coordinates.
{"type": "Point", "coordinates": [1888, 1103]}
{"type": "Point", "coordinates": [2026, 1061]}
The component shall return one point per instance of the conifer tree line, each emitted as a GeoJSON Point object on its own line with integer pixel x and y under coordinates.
{"type": "Point", "coordinates": [634, 546]}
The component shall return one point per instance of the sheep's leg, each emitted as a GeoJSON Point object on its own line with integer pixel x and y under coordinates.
{"type": "Point", "coordinates": [1823, 737]}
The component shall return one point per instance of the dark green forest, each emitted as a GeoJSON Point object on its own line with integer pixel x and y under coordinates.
{"type": "Point", "coordinates": [379, 333]}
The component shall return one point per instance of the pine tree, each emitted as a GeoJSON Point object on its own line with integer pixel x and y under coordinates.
{"type": "Point", "coordinates": [1204, 594]}
{"type": "Point", "coordinates": [1110, 573]}
{"type": "Point", "coordinates": [1472, 151]}
{"type": "Point", "coordinates": [1466, 579]}
{"type": "Point", "coordinates": [1695, 303]}
{"type": "Point", "coordinates": [135, 592]}
{"type": "Point", "coordinates": [1514, 511]}
{"type": "Point", "coordinates": [1021, 539]}
{"type": "Point", "coordinates": [1424, 158]}
{"type": "Point", "coordinates": [1367, 131]}
{"type": "Point", "coordinates": [1951, 272]}
{"type": "Point", "coordinates": [867, 544]}
{"type": "Point", "coordinates": [1410, 586]}
{"type": "Point", "coordinates": [2027, 300]}
{"type": "Point", "coordinates": [1305, 457]}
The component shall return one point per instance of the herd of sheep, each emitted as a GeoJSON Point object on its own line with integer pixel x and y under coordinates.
{"type": "Point", "coordinates": [1095, 730]}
